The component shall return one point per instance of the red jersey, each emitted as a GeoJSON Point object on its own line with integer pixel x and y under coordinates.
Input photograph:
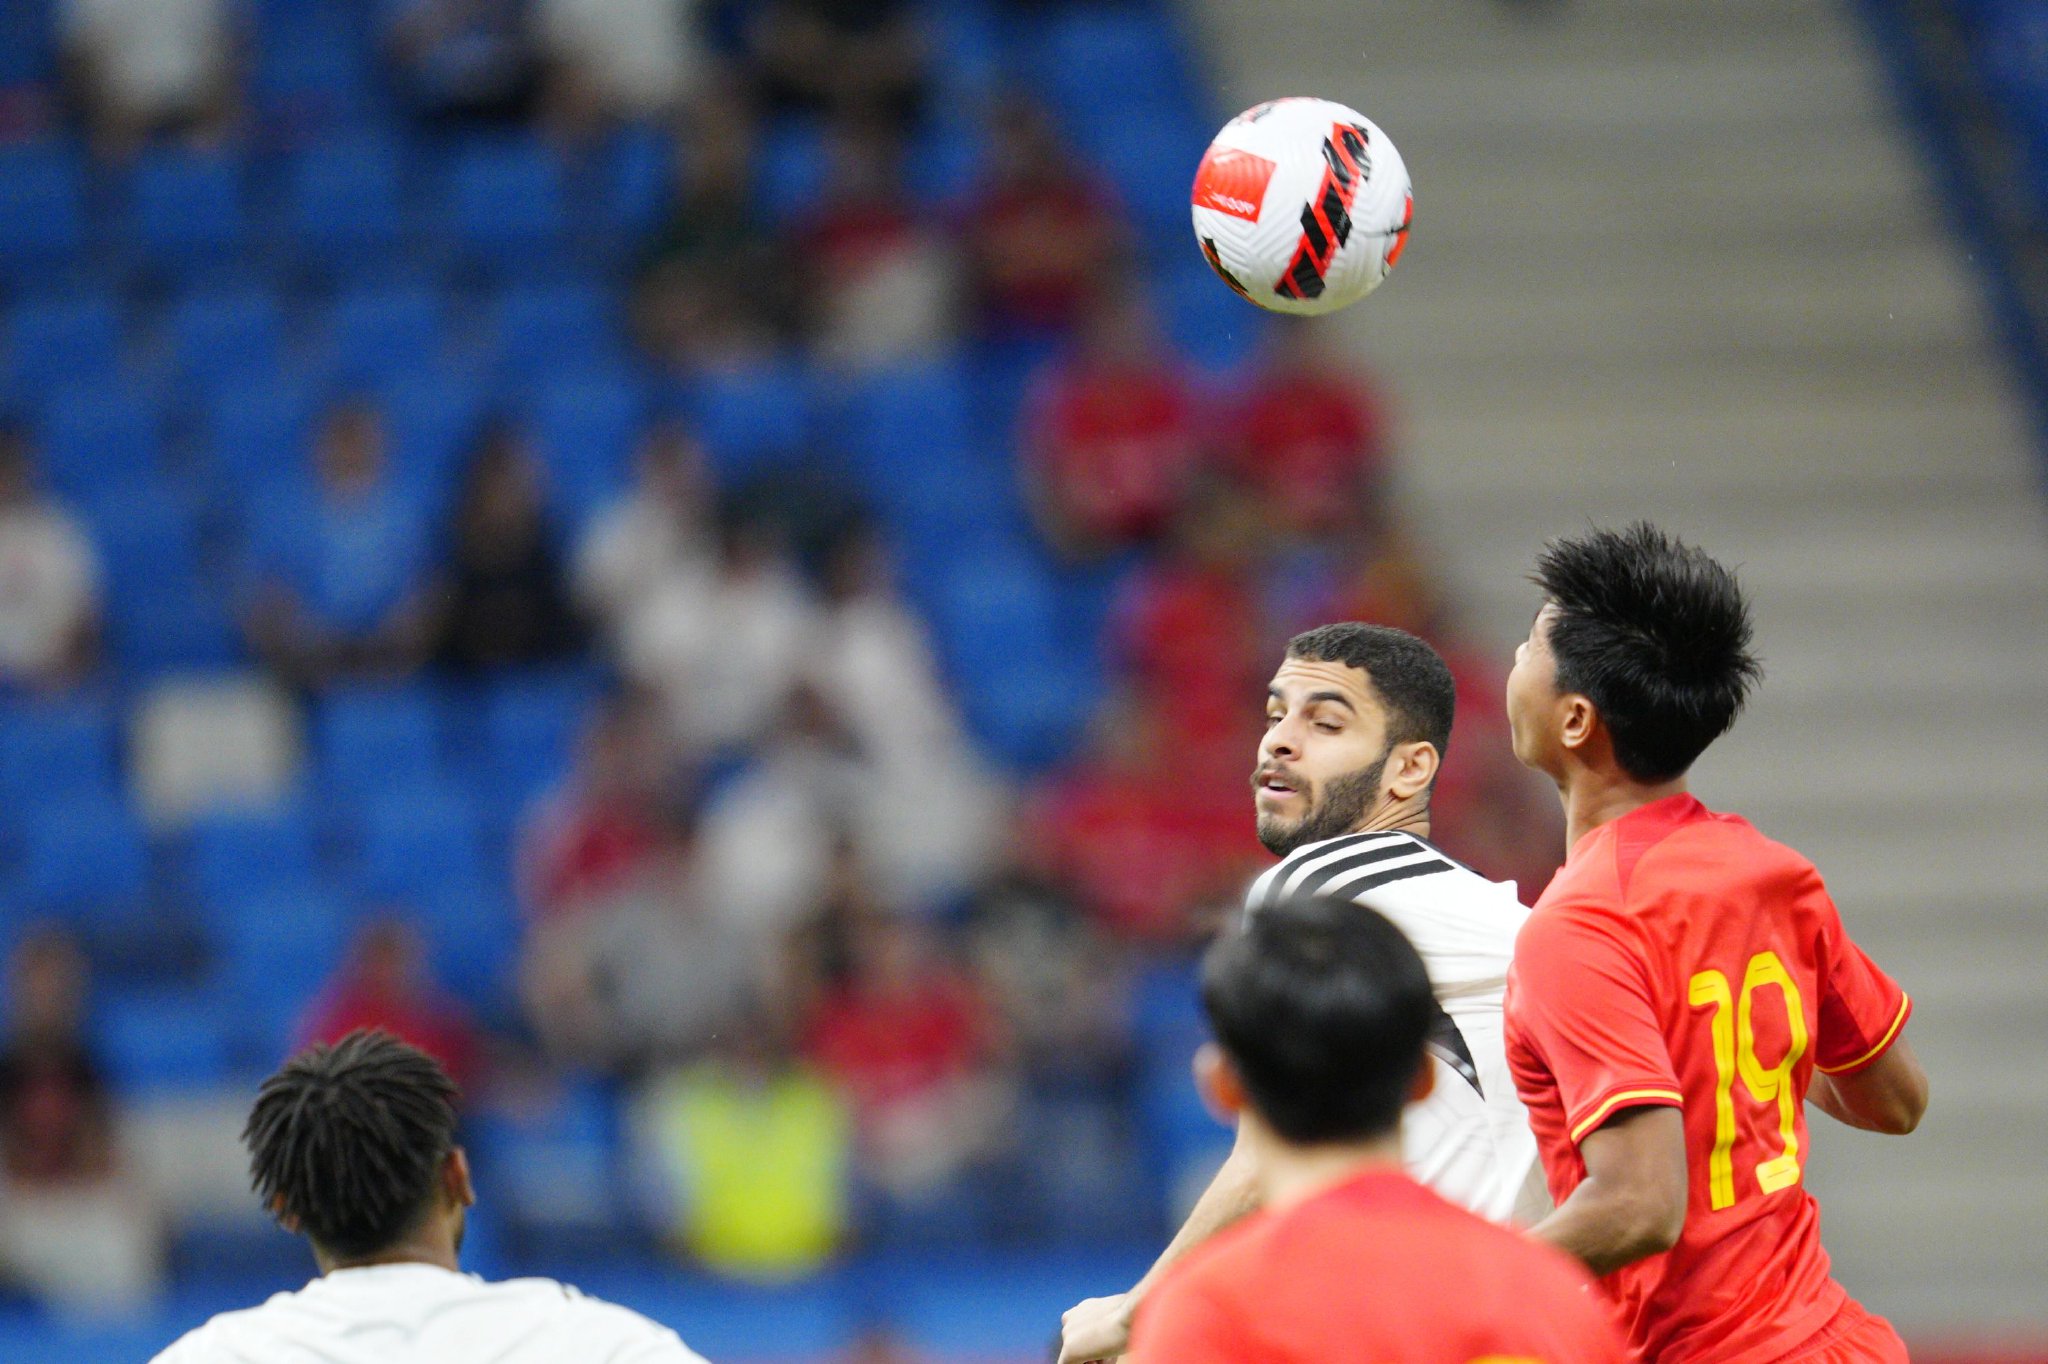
{"type": "Point", "coordinates": [1377, 1268]}
{"type": "Point", "coordinates": [1680, 958]}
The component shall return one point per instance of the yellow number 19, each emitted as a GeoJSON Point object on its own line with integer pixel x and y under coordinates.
{"type": "Point", "coordinates": [1735, 1053]}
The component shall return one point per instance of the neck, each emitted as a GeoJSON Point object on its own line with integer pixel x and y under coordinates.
{"type": "Point", "coordinates": [1288, 1174]}
{"type": "Point", "coordinates": [1594, 798]}
{"type": "Point", "coordinates": [422, 1250]}
{"type": "Point", "coordinates": [1406, 817]}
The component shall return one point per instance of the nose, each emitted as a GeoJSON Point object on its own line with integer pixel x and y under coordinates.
{"type": "Point", "coordinates": [1282, 742]}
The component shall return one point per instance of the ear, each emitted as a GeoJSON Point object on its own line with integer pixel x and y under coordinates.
{"type": "Point", "coordinates": [1578, 722]}
{"type": "Point", "coordinates": [1414, 766]}
{"type": "Point", "coordinates": [1424, 1083]}
{"type": "Point", "coordinates": [455, 1182]}
{"type": "Point", "coordinates": [1218, 1082]}
{"type": "Point", "coordinates": [289, 1221]}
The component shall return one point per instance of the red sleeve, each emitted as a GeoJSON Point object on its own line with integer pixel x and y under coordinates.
{"type": "Point", "coordinates": [1183, 1323]}
{"type": "Point", "coordinates": [1862, 1010]}
{"type": "Point", "coordinates": [1583, 1002]}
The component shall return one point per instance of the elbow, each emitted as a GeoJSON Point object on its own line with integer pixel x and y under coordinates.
{"type": "Point", "coordinates": [1906, 1110]}
{"type": "Point", "coordinates": [1658, 1226]}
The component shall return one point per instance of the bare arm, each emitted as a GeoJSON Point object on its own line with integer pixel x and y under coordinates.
{"type": "Point", "coordinates": [1100, 1328]}
{"type": "Point", "coordinates": [1632, 1201]}
{"type": "Point", "coordinates": [1889, 1095]}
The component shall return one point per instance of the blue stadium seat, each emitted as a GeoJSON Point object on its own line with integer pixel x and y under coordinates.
{"type": "Point", "coordinates": [471, 928]}
{"type": "Point", "coordinates": [314, 68]}
{"type": "Point", "coordinates": [1102, 63]}
{"type": "Point", "coordinates": [255, 434]}
{"type": "Point", "coordinates": [28, 42]}
{"type": "Point", "coordinates": [42, 206]}
{"type": "Point", "coordinates": [372, 739]}
{"type": "Point", "coordinates": [552, 1165]}
{"type": "Point", "coordinates": [84, 853]}
{"type": "Point", "coordinates": [434, 412]}
{"type": "Point", "coordinates": [503, 205]}
{"type": "Point", "coordinates": [585, 427]}
{"type": "Point", "coordinates": [344, 203]}
{"type": "Point", "coordinates": [536, 329]}
{"type": "Point", "coordinates": [1151, 159]}
{"type": "Point", "coordinates": [273, 950]}
{"type": "Point", "coordinates": [383, 331]}
{"type": "Point", "coordinates": [418, 842]}
{"type": "Point", "coordinates": [145, 529]}
{"type": "Point", "coordinates": [53, 751]}
{"type": "Point", "coordinates": [791, 167]}
{"type": "Point", "coordinates": [530, 729]}
{"type": "Point", "coordinates": [998, 621]}
{"type": "Point", "coordinates": [185, 209]}
{"type": "Point", "coordinates": [635, 184]}
{"type": "Point", "coordinates": [100, 435]}
{"type": "Point", "coordinates": [161, 1041]}
{"type": "Point", "coordinates": [753, 420]}
{"type": "Point", "coordinates": [177, 624]}
{"type": "Point", "coordinates": [235, 858]}
{"type": "Point", "coordinates": [71, 337]}
{"type": "Point", "coordinates": [1215, 329]}
{"type": "Point", "coordinates": [226, 335]}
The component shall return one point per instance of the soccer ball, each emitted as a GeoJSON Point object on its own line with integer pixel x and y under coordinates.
{"type": "Point", "coordinates": [1302, 205]}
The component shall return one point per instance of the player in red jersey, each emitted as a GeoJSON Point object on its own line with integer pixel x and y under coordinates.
{"type": "Point", "coordinates": [1321, 1010]}
{"type": "Point", "coordinates": [1684, 987]}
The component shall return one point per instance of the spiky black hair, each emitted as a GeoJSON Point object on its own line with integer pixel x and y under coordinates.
{"type": "Point", "coordinates": [1656, 635]}
{"type": "Point", "coordinates": [348, 1141]}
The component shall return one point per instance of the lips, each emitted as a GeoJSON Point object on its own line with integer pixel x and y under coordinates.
{"type": "Point", "coordinates": [1269, 782]}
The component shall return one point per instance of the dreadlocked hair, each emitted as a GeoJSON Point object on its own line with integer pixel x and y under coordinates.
{"type": "Point", "coordinates": [348, 1140]}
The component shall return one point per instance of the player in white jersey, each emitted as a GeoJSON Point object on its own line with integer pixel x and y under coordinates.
{"type": "Point", "coordinates": [353, 1146]}
{"type": "Point", "coordinates": [1358, 718]}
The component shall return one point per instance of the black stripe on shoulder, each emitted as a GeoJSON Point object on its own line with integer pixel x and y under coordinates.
{"type": "Point", "coordinates": [1344, 866]}
{"type": "Point", "coordinates": [1393, 874]}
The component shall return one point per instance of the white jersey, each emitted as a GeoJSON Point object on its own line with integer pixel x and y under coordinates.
{"type": "Point", "coordinates": [1470, 1139]}
{"type": "Point", "coordinates": [423, 1314]}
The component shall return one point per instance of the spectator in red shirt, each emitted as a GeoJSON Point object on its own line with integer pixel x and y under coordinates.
{"type": "Point", "coordinates": [1308, 439]}
{"type": "Point", "coordinates": [881, 282]}
{"type": "Point", "coordinates": [910, 1041]}
{"type": "Point", "coordinates": [384, 983]}
{"type": "Point", "coordinates": [1039, 231]}
{"type": "Point", "coordinates": [1110, 441]}
{"type": "Point", "coordinates": [1138, 842]}
{"type": "Point", "coordinates": [594, 838]}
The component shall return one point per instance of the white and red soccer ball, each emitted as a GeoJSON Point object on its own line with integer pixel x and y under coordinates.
{"type": "Point", "coordinates": [1302, 205]}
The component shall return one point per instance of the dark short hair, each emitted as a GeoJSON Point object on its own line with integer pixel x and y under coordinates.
{"type": "Point", "coordinates": [1323, 1008]}
{"type": "Point", "coordinates": [1411, 678]}
{"type": "Point", "coordinates": [349, 1141]}
{"type": "Point", "coordinates": [1656, 635]}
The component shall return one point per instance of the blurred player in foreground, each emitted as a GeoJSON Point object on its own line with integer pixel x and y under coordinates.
{"type": "Point", "coordinates": [353, 1146]}
{"type": "Point", "coordinates": [1358, 718]}
{"type": "Point", "coordinates": [1685, 985]}
{"type": "Point", "coordinates": [1321, 1010]}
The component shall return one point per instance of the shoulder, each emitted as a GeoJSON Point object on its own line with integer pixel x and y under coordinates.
{"type": "Point", "coordinates": [601, 1325]}
{"type": "Point", "coordinates": [1351, 867]}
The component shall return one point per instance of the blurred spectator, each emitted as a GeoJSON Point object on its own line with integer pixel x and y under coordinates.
{"type": "Point", "coordinates": [138, 68]}
{"type": "Point", "coordinates": [1052, 979]}
{"type": "Point", "coordinates": [911, 1042]}
{"type": "Point", "coordinates": [659, 528]}
{"type": "Point", "coordinates": [616, 61]}
{"type": "Point", "coordinates": [49, 579]}
{"type": "Point", "coordinates": [723, 655]}
{"type": "Point", "coordinates": [860, 57]}
{"type": "Point", "coordinates": [461, 62]}
{"type": "Point", "coordinates": [1308, 440]}
{"type": "Point", "coordinates": [650, 977]}
{"type": "Point", "coordinates": [1111, 441]}
{"type": "Point", "coordinates": [1190, 625]}
{"type": "Point", "coordinates": [715, 286]}
{"type": "Point", "coordinates": [880, 284]}
{"type": "Point", "coordinates": [339, 578]}
{"type": "Point", "coordinates": [1136, 841]}
{"type": "Point", "coordinates": [752, 1148]}
{"type": "Point", "coordinates": [384, 983]}
{"type": "Point", "coordinates": [74, 1227]}
{"type": "Point", "coordinates": [503, 600]}
{"type": "Point", "coordinates": [597, 837]}
{"type": "Point", "coordinates": [1041, 231]}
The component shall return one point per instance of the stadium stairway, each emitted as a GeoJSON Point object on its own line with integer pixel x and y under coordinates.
{"type": "Point", "coordinates": [1682, 261]}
